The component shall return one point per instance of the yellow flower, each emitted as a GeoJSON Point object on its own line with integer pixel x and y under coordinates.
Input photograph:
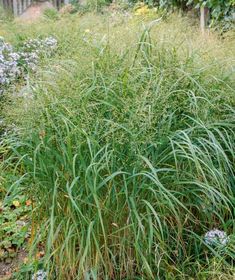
{"type": "Point", "coordinates": [142, 11]}
{"type": "Point", "coordinates": [16, 203]}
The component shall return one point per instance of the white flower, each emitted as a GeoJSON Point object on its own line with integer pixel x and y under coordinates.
{"type": "Point", "coordinates": [40, 275]}
{"type": "Point", "coordinates": [14, 65]}
{"type": "Point", "coordinates": [40, 46]}
{"type": "Point", "coordinates": [216, 237]}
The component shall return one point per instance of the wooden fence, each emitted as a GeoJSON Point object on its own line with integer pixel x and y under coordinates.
{"type": "Point", "coordinates": [17, 7]}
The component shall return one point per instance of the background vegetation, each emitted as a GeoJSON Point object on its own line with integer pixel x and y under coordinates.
{"type": "Point", "coordinates": [220, 11]}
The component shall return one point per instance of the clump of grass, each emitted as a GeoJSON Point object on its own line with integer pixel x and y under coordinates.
{"type": "Point", "coordinates": [51, 14]}
{"type": "Point", "coordinates": [5, 15]}
{"type": "Point", "coordinates": [129, 154]}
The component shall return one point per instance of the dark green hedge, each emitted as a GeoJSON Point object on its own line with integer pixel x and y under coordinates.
{"type": "Point", "coordinates": [221, 11]}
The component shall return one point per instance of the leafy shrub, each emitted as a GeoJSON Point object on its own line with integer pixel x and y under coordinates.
{"type": "Point", "coordinates": [14, 226]}
{"type": "Point", "coordinates": [221, 12]}
{"type": "Point", "coordinates": [51, 14]}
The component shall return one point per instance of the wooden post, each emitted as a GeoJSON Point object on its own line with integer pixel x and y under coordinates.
{"type": "Point", "coordinates": [204, 16]}
{"type": "Point", "coordinates": [24, 5]}
{"type": "Point", "coordinates": [15, 8]}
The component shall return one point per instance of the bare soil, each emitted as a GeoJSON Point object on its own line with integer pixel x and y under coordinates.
{"type": "Point", "coordinates": [35, 11]}
{"type": "Point", "coordinates": [6, 269]}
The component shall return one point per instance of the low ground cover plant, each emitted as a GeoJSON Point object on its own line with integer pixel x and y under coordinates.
{"type": "Point", "coordinates": [14, 226]}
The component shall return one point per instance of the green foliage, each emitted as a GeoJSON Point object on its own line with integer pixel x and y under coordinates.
{"type": "Point", "coordinates": [221, 11]}
{"type": "Point", "coordinates": [128, 148]}
{"type": "Point", "coordinates": [172, 3]}
{"type": "Point", "coordinates": [5, 16]}
{"type": "Point", "coordinates": [51, 14]}
{"type": "Point", "coordinates": [27, 271]}
{"type": "Point", "coordinates": [90, 5]}
{"type": "Point", "coordinates": [14, 226]}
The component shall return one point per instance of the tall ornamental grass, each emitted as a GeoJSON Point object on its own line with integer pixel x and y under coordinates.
{"type": "Point", "coordinates": [128, 148]}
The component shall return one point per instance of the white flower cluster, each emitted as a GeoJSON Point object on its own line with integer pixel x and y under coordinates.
{"type": "Point", "coordinates": [41, 47]}
{"type": "Point", "coordinates": [40, 275]}
{"type": "Point", "coordinates": [9, 69]}
{"type": "Point", "coordinates": [15, 64]}
{"type": "Point", "coordinates": [28, 60]}
{"type": "Point", "coordinates": [216, 237]}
